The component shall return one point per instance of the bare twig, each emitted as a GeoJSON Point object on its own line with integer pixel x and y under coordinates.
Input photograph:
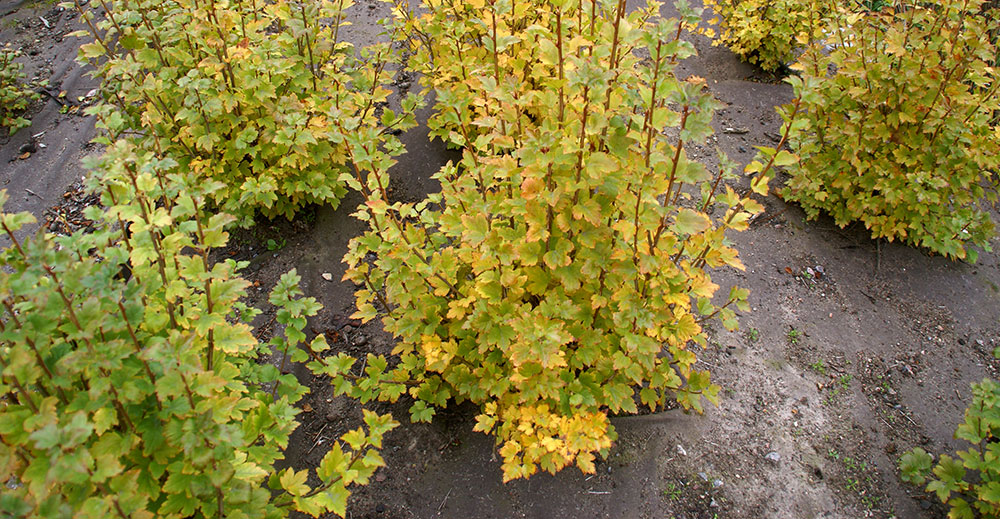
{"type": "Point", "coordinates": [445, 500]}
{"type": "Point", "coordinates": [316, 440]}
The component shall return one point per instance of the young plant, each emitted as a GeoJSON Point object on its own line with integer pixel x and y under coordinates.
{"type": "Point", "coordinates": [563, 269]}
{"type": "Point", "coordinates": [901, 135]}
{"type": "Point", "coordinates": [14, 95]}
{"type": "Point", "coordinates": [766, 33]}
{"type": "Point", "coordinates": [258, 96]}
{"type": "Point", "coordinates": [128, 372]}
{"type": "Point", "coordinates": [968, 484]}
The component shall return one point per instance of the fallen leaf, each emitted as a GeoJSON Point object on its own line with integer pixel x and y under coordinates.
{"type": "Point", "coordinates": [307, 408]}
{"type": "Point", "coordinates": [789, 271]}
{"type": "Point", "coordinates": [24, 155]}
{"type": "Point", "coordinates": [696, 80]}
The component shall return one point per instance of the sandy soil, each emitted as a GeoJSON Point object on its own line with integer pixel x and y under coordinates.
{"type": "Point", "coordinates": [855, 351]}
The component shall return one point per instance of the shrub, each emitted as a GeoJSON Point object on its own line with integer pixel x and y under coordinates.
{"type": "Point", "coordinates": [129, 381]}
{"type": "Point", "coordinates": [901, 136]}
{"type": "Point", "coordinates": [766, 33]}
{"type": "Point", "coordinates": [968, 485]}
{"type": "Point", "coordinates": [256, 95]}
{"type": "Point", "coordinates": [14, 96]}
{"type": "Point", "coordinates": [563, 269]}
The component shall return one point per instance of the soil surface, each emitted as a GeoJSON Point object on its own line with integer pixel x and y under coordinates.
{"type": "Point", "coordinates": [855, 351]}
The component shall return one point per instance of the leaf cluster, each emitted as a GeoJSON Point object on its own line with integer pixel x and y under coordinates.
{"type": "Point", "coordinates": [129, 385]}
{"type": "Point", "coordinates": [563, 272]}
{"type": "Point", "coordinates": [900, 127]}
{"type": "Point", "coordinates": [15, 96]}
{"type": "Point", "coordinates": [259, 96]}
{"type": "Point", "coordinates": [970, 483]}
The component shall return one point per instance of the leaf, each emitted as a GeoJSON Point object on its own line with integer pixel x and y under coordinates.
{"type": "Point", "coordinates": [785, 158]}
{"type": "Point", "coordinates": [915, 465]}
{"type": "Point", "coordinates": [295, 482]}
{"type": "Point", "coordinates": [690, 222]}
{"type": "Point", "coordinates": [476, 228]}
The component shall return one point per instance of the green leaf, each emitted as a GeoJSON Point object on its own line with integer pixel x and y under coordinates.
{"type": "Point", "coordinates": [295, 482]}
{"type": "Point", "coordinates": [690, 222]}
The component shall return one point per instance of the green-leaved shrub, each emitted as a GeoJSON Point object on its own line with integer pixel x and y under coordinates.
{"type": "Point", "coordinates": [899, 130]}
{"type": "Point", "coordinates": [767, 33]}
{"type": "Point", "coordinates": [129, 386]}
{"type": "Point", "coordinates": [970, 483]}
{"type": "Point", "coordinates": [256, 95]}
{"type": "Point", "coordinates": [14, 95]}
{"type": "Point", "coordinates": [562, 274]}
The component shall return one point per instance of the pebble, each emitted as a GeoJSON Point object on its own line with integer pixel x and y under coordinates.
{"type": "Point", "coordinates": [716, 483]}
{"type": "Point", "coordinates": [703, 476]}
{"type": "Point", "coordinates": [681, 451]}
{"type": "Point", "coordinates": [773, 457]}
{"type": "Point", "coordinates": [327, 276]}
{"type": "Point", "coordinates": [28, 147]}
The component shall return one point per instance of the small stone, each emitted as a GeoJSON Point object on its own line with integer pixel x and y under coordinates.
{"type": "Point", "coordinates": [681, 451]}
{"type": "Point", "coordinates": [703, 476]}
{"type": "Point", "coordinates": [716, 483]}
{"type": "Point", "coordinates": [713, 504]}
{"type": "Point", "coordinates": [773, 457]}
{"type": "Point", "coordinates": [361, 340]}
{"type": "Point", "coordinates": [28, 147]}
{"type": "Point", "coordinates": [379, 508]}
{"type": "Point", "coordinates": [327, 276]}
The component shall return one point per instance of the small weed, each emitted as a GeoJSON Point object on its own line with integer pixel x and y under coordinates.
{"type": "Point", "coordinates": [273, 245]}
{"type": "Point", "coordinates": [845, 381]}
{"type": "Point", "coordinates": [794, 336]}
{"type": "Point", "coordinates": [754, 335]}
{"type": "Point", "coordinates": [858, 478]}
{"type": "Point", "coordinates": [819, 367]}
{"type": "Point", "coordinates": [672, 492]}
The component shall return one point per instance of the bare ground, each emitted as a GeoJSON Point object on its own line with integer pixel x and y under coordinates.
{"type": "Point", "coordinates": [855, 351]}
